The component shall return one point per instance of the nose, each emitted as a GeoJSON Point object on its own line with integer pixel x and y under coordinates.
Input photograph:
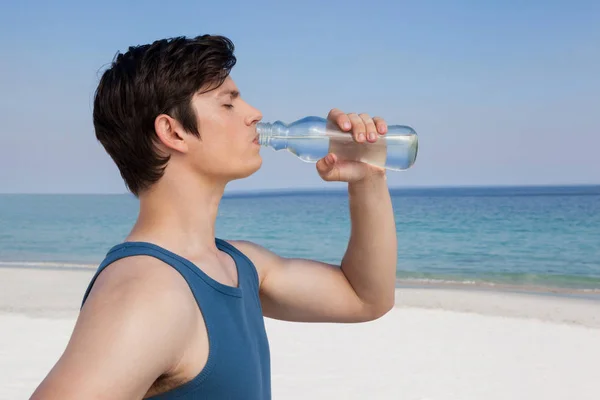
{"type": "Point", "coordinates": [254, 116]}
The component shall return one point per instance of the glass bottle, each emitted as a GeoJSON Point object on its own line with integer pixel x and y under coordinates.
{"type": "Point", "coordinates": [312, 138]}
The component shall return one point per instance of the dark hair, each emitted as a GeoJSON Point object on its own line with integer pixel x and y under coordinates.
{"type": "Point", "coordinates": [149, 80]}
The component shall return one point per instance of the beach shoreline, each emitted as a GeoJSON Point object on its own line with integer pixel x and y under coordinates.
{"type": "Point", "coordinates": [33, 291]}
{"type": "Point", "coordinates": [401, 282]}
{"type": "Point", "coordinates": [436, 343]}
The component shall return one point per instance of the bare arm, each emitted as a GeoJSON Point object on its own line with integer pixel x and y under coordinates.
{"type": "Point", "coordinates": [370, 260]}
{"type": "Point", "coordinates": [362, 287]}
{"type": "Point", "coordinates": [132, 329]}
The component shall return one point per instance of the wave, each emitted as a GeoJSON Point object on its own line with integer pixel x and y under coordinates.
{"type": "Point", "coordinates": [46, 265]}
{"type": "Point", "coordinates": [541, 284]}
{"type": "Point", "coordinates": [521, 282]}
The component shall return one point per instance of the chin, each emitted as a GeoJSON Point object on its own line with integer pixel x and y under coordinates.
{"type": "Point", "coordinates": [249, 169]}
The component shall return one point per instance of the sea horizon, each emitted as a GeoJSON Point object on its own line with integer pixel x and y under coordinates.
{"type": "Point", "coordinates": [533, 238]}
{"type": "Point", "coordinates": [334, 187]}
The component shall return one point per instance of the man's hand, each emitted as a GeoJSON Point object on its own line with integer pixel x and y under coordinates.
{"type": "Point", "coordinates": [363, 129]}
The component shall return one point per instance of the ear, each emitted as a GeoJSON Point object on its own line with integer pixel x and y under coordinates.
{"type": "Point", "coordinates": [170, 133]}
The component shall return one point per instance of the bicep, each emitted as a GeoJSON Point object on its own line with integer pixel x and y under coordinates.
{"type": "Point", "coordinates": [122, 341]}
{"type": "Point", "coordinates": [303, 290]}
{"type": "Point", "coordinates": [310, 291]}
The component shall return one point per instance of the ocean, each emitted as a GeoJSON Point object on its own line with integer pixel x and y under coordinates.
{"type": "Point", "coordinates": [534, 238]}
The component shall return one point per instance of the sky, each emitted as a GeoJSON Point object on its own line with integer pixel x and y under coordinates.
{"type": "Point", "coordinates": [499, 92]}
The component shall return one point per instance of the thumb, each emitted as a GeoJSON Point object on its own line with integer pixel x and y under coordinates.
{"type": "Point", "coordinates": [326, 166]}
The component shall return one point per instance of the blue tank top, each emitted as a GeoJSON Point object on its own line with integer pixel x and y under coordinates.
{"type": "Point", "coordinates": [238, 365]}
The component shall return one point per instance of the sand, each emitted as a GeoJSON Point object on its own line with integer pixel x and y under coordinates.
{"type": "Point", "coordinates": [435, 344]}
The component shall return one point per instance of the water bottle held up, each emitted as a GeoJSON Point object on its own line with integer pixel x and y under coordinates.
{"type": "Point", "coordinates": [312, 138]}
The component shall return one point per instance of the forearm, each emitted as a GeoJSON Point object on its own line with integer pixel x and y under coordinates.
{"type": "Point", "coordinates": [370, 260]}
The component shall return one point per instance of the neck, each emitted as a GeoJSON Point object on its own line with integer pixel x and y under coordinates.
{"type": "Point", "coordinates": [179, 214]}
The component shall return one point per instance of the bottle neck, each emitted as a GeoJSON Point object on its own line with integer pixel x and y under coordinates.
{"type": "Point", "coordinates": [264, 133]}
{"type": "Point", "coordinates": [272, 134]}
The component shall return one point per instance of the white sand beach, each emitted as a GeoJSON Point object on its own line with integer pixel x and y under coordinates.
{"type": "Point", "coordinates": [436, 344]}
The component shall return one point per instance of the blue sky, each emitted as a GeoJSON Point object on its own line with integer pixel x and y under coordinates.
{"type": "Point", "coordinates": [500, 93]}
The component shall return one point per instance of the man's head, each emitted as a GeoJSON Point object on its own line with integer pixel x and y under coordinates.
{"type": "Point", "coordinates": [172, 104]}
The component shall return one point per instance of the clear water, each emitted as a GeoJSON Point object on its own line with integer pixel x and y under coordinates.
{"type": "Point", "coordinates": [392, 152]}
{"type": "Point", "coordinates": [312, 138]}
{"type": "Point", "coordinates": [546, 237]}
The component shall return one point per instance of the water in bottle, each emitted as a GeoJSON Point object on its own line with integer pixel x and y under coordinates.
{"type": "Point", "coordinates": [312, 138]}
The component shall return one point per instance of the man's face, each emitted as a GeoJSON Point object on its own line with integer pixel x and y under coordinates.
{"type": "Point", "coordinates": [228, 147]}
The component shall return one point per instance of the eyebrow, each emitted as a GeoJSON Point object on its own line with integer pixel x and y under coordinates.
{"type": "Point", "coordinates": [232, 93]}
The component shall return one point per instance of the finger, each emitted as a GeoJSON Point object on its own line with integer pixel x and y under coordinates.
{"type": "Point", "coordinates": [340, 118]}
{"type": "Point", "coordinates": [370, 127]}
{"type": "Point", "coordinates": [358, 128]}
{"type": "Point", "coordinates": [324, 164]}
{"type": "Point", "coordinates": [381, 125]}
{"type": "Point", "coordinates": [326, 167]}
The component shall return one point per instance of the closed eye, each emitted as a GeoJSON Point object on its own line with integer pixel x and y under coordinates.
{"type": "Point", "coordinates": [228, 105]}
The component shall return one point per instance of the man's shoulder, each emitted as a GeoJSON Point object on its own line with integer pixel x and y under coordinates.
{"type": "Point", "coordinates": [138, 272]}
{"type": "Point", "coordinates": [262, 258]}
{"type": "Point", "coordinates": [248, 246]}
{"type": "Point", "coordinates": [243, 245]}
{"type": "Point", "coordinates": [136, 318]}
{"type": "Point", "coordinates": [141, 282]}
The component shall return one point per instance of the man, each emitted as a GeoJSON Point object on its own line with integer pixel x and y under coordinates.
{"type": "Point", "coordinates": [174, 312]}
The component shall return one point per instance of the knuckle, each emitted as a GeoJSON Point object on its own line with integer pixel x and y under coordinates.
{"type": "Point", "coordinates": [368, 121]}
